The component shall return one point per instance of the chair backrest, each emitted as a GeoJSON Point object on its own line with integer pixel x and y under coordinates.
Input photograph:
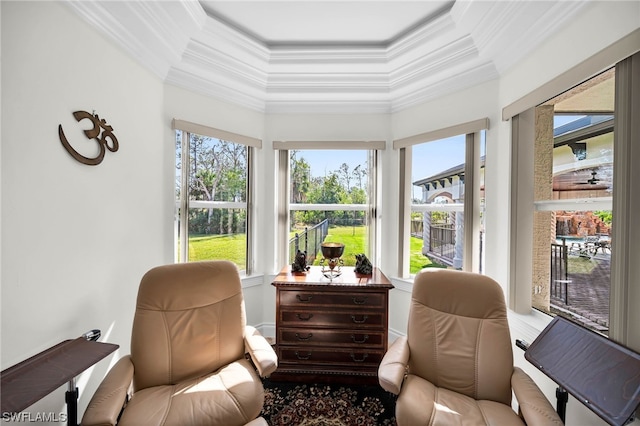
{"type": "Point", "coordinates": [458, 334]}
{"type": "Point", "coordinates": [189, 321]}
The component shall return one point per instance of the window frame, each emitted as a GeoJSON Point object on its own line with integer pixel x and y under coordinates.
{"type": "Point", "coordinates": [184, 203]}
{"type": "Point", "coordinates": [285, 206]}
{"type": "Point", "coordinates": [626, 187]}
{"type": "Point", "coordinates": [472, 132]}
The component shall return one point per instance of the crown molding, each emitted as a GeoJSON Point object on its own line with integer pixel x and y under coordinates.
{"type": "Point", "coordinates": [465, 45]}
{"type": "Point", "coordinates": [455, 81]}
{"type": "Point", "coordinates": [426, 37]}
{"type": "Point", "coordinates": [221, 36]}
{"type": "Point", "coordinates": [329, 106]}
{"type": "Point", "coordinates": [453, 55]}
{"type": "Point", "coordinates": [504, 32]}
{"type": "Point", "coordinates": [155, 36]}
{"type": "Point", "coordinates": [214, 64]}
{"type": "Point", "coordinates": [223, 90]}
{"type": "Point", "coordinates": [325, 55]}
{"type": "Point", "coordinates": [551, 20]}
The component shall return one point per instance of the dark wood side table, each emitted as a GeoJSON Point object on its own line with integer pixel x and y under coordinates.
{"type": "Point", "coordinates": [36, 377]}
{"type": "Point", "coordinates": [331, 330]}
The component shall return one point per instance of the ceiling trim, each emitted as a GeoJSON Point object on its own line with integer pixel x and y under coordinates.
{"type": "Point", "coordinates": [464, 44]}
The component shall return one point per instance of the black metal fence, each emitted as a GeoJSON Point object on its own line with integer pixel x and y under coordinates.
{"type": "Point", "coordinates": [560, 272]}
{"type": "Point", "coordinates": [443, 240]}
{"type": "Point", "coordinates": [308, 241]}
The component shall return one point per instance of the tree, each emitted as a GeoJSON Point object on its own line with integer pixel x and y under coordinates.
{"type": "Point", "coordinates": [300, 178]}
{"type": "Point", "coordinates": [359, 173]}
{"type": "Point", "coordinates": [217, 173]}
{"type": "Point", "coordinates": [345, 175]}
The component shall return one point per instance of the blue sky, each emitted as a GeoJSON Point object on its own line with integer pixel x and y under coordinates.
{"type": "Point", "coordinates": [428, 159]}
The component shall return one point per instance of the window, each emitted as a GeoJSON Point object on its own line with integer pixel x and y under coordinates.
{"type": "Point", "coordinates": [331, 197]}
{"type": "Point", "coordinates": [212, 195]}
{"type": "Point", "coordinates": [579, 194]}
{"type": "Point", "coordinates": [445, 200]}
{"type": "Point", "coordinates": [573, 188]}
{"type": "Point", "coordinates": [329, 201]}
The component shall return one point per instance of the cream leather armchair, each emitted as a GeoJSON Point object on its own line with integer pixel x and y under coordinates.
{"type": "Point", "coordinates": [187, 364]}
{"type": "Point", "coordinates": [455, 366]}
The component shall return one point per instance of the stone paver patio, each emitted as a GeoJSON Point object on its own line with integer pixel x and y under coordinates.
{"type": "Point", "coordinates": [588, 296]}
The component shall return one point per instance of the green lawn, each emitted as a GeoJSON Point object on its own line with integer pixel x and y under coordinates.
{"type": "Point", "coordinates": [353, 238]}
{"type": "Point", "coordinates": [417, 260]}
{"type": "Point", "coordinates": [218, 247]}
{"type": "Point", "coordinates": [232, 247]}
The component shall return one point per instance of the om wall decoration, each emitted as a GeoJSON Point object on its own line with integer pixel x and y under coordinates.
{"type": "Point", "coordinates": [101, 132]}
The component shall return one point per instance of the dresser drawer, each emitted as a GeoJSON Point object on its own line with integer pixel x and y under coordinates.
{"type": "Point", "coordinates": [302, 355]}
{"type": "Point", "coordinates": [327, 338]}
{"type": "Point", "coordinates": [333, 332]}
{"type": "Point", "coordinates": [352, 300]}
{"type": "Point", "coordinates": [332, 319]}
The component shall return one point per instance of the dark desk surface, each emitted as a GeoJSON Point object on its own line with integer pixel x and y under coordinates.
{"type": "Point", "coordinates": [349, 277]}
{"type": "Point", "coordinates": [598, 372]}
{"type": "Point", "coordinates": [31, 380]}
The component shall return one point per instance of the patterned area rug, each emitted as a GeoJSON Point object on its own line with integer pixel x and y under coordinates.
{"type": "Point", "coordinates": [296, 404]}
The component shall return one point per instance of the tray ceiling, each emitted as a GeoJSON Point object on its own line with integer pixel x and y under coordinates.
{"type": "Point", "coordinates": [278, 23]}
{"type": "Point", "coordinates": [327, 56]}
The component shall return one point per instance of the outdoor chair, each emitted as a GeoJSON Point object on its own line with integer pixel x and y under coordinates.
{"type": "Point", "coordinates": [591, 243]}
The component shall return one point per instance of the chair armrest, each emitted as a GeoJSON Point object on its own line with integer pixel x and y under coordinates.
{"type": "Point", "coordinates": [535, 408]}
{"type": "Point", "coordinates": [393, 367]}
{"type": "Point", "coordinates": [111, 396]}
{"type": "Point", "coordinates": [261, 352]}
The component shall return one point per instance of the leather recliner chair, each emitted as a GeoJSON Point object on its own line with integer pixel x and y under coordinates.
{"type": "Point", "coordinates": [455, 365]}
{"type": "Point", "coordinates": [187, 364]}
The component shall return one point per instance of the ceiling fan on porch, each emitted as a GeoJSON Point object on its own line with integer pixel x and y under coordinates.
{"type": "Point", "coordinates": [594, 180]}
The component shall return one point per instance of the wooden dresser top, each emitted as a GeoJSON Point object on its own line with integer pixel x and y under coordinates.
{"type": "Point", "coordinates": [348, 278]}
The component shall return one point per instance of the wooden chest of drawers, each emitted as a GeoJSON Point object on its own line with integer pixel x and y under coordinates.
{"type": "Point", "coordinates": [331, 330]}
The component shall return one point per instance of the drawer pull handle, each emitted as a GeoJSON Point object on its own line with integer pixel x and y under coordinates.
{"type": "Point", "coordinates": [364, 338]}
{"type": "Point", "coordinates": [353, 357]}
{"type": "Point", "coordinates": [302, 317]}
{"type": "Point", "coordinates": [304, 357]}
{"type": "Point", "coordinates": [299, 337]}
{"type": "Point", "coordinates": [359, 301]}
{"type": "Point", "coordinates": [362, 321]}
{"type": "Point", "coordinates": [300, 299]}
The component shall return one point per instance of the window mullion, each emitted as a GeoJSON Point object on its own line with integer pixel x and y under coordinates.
{"type": "Point", "coordinates": [249, 266]}
{"type": "Point", "coordinates": [404, 214]}
{"type": "Point", "coordinates": [626, 203]}
{"type": "Point", "coordinates": [184, 198]}
{"type": "Point", "coordinates": [372, 212]}
{"type": "Point", "coordinates": [284, 186]}
{"type": "Point", "coordinates": [521, 226]}
{"type": "Point", "coordinates": [471, 262]}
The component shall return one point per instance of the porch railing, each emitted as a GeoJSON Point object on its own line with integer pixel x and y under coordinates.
{"type": "Point", "coordinates": [308, 241]}
{"type": "Point", "coordinates": [560, 272]}
{"type": "Point", "coordinates": [442, 241]}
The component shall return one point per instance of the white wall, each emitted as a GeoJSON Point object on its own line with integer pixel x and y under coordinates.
{"type": "Point", "coordinates": [76, 239]}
